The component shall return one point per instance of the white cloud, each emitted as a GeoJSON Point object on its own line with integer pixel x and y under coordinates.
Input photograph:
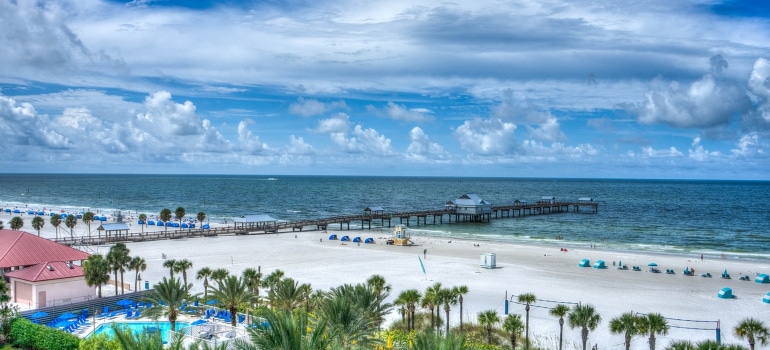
{"type": "Point", "coordinates": [487, 136]}
{"type": "Point", "coordinates": [750, 146]}
{"type": "Point", "coordinates": [22, 125]}
{"type": "Point", "coordinates": [307, 108]}
{"type": "Point", "coordinates": [422, 148]}
{"type": "Point", "coordinates": [671, 152]}
{"type": "Point", "coordinates": [249, 142]}
{"type": "Point", "coordinates": [699, 153]}
{"type": "Point", "coordinates": [337, 124]}
{"type": "Point", "coordinates": [401, 113]}
{"type": "Point", "coordinates": [298, 147]}
{"type": "Point", "coordinates": [708, 102]}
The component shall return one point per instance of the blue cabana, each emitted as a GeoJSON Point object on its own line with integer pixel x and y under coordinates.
{"type": "Point", "coordinates": [79, 216]}
{"type": "Point", "coordinates": [766, 299]}
{"type": "Point", "coordinates": [17, 211]}
{"type": "Point", "coordinates": [369, 240]}
{"type": "Point", "coordinates": [585, 263]}
{"type": "Point", "coordinates": [357, 240]}
{"type": "Point", "coordinates": [205, 226]}
{"type": "Point", "coordinates": [159, 223]}
{"type": "Point", "coordinates": [345, 238]}
{"type": "Point", "coordinates": [600, 264]}
{"type": "Point", "coordinates": [102, 218]}
{"type": "Point", "coordinates": [726, 293]}
{"type": "Point", "coordinates": [140, 222]}
{"type": "Point", "coordinates": [332, 237]}
{"type": "Point", "coordinates": [762, 278]}
{"type": "Point", "coordinates": [192, 225]}
{"type": "Point", "coordinates": [169, 223]}
{"type": "Point", "coordinates": [31, 212]}
{"type": "Point", "coordinates": [63, 215]}
{"type": "Point", "coordinates": [41, 213]}
{"type": "Point", "coordinates": [8, 210]}
{"type": "Point", "coordinates": [185, 225]}
{"type": "Point", "coordinates": [150, 222]}
{"type": "Point", "coordinates": [176, 224]}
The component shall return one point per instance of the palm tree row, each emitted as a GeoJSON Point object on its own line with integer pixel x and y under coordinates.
{"type": "Point", "coordinates": [97, 268]}
{"type": "Point", "coordinates": [56, 220]}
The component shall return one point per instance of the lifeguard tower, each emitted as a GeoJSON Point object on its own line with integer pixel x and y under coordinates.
{"type": "Point", "coordinates": [401, 236]}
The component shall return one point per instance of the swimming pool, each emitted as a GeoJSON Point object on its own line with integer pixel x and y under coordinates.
{"type": "Point", "coordinates": [136, 327]}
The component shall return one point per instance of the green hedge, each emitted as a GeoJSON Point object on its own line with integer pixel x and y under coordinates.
{"type": "Point", "coordinates": [27, 335]}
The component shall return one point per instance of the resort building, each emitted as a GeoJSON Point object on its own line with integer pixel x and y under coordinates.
{"type": "Point", "coordinates": [40, 272]}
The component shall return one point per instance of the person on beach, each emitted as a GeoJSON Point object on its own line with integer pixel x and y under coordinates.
{"type": "Point", "coordinates": [425, 253]}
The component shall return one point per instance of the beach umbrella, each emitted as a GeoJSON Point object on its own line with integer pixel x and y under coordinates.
{"type": "Point", "coordinates": [652, 264]}
{"type": "Point", "coordinates": [124, 302]}
{"type": "Point", "coordinates": [38, 314]}
{"type": "Point", "coordinates": [67, 315]}
{"type": "Point", "coordinates": [199, 322]}
{"type": "Point", "coordinates": [212, 302]}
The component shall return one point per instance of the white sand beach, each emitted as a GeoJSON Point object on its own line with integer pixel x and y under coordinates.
{"type": "Point", "coordinates": [546, 271]}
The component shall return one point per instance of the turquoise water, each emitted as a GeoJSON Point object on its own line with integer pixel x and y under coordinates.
{"type": "Point", "coordinates": [138, 327]}
{"type": "Point", "coordinates": [676, 216]}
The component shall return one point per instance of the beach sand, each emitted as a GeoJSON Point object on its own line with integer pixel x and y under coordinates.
{"type": "Point", "coordinates": [546, 271]}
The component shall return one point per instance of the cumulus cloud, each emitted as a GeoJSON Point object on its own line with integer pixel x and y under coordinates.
{"type": "Point", "coordinates": [422, 148]}
{"type": "Point", "coordinates": [163, 112]}
{"type": "Point", "coordinates": [249, 142]}
{"type": "Point", "coordinates": [357, 140]}
{"type": "Point", "coordinates": [298, 147]}
{"type": "Point", "coordinates": [705, 103]}
{"type": "Point", "coordinates": [487, 137]}
{"type": "Point", "coordinates": [542, 125]}
{"type": "Point", "coordinates": [699, 153]}
{"type": "Point", "coordinates": [340, 123]}
{"type": "Point", "coordinates": [759, 85]}
{"type": "Point", "coordinates": [312, 107]}
{"type": "Point", "coordinates": [22, 125]}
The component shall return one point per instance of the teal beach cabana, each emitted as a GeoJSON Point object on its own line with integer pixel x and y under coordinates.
{"type": "Point", "coordinates": [599, 264]}
{"type": "Point", "coordinates": [762, 278]}
{"type": "Point", "coordinates": [726, 293]}
{"type": "Point", "coordinates": [766, 299]}
{"type": "Point", "coordinates": [585, 263]}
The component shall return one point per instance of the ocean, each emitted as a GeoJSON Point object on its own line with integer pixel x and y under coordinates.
{"type": "Point", "coordinates": [716, 218]}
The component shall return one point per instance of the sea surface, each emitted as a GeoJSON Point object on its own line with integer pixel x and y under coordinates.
{"type": "Point", "coordinates": [672, 216]}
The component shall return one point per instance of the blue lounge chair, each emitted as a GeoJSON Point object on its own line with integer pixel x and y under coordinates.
{"type": "Point", "coordinates": [105, 312]}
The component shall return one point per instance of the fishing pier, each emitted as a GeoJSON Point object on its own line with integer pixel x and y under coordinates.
{"type": "Point", "coordinates": [468, 208]}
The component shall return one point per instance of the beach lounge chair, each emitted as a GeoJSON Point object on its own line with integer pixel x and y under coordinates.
{"type": "Point", "coordinates": [725, 275]}
{"type": "Point", "coordinates": [670, 271]}
{"type": "Point", "coordinates": [688, 272]}
{"type": "Point", "coordinates": [105, 312]}
{"type": "Point", "coordinates": [744, 278]}
{"type": "Point", "coordinates": [636, 268]}
{"type": "Point", "coordinates": [622, 267]}
{"type": "Point", "coordinates": [136, 315]}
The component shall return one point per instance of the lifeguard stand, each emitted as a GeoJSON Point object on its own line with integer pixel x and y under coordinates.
{"type": "Point", "coordinates": [401, 236]}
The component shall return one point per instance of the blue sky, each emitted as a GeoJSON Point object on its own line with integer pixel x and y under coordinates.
{"type": "Point", "coordinates": [626, 89]}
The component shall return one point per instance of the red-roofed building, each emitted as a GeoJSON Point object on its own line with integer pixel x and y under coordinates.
{"type": "Point", "coordinates": [39, 270]}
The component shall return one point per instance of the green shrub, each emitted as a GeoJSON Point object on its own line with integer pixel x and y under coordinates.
{"type": "Point", "coordinates": [25, 334]}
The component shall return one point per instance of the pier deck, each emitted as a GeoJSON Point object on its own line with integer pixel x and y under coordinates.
{"type": "Point", "coordinates": [437, 217]}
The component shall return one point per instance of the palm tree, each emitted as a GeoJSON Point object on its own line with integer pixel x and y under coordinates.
{"type": "Point", "coordinates": [167, 296]}
{"type": "Point", "coordinates": [753, 330]}
{"type": "Point", "coordinates": [626, 324]}
{"type": "Point", "coordinates": [17, 223]}
{"type": "Point", "coordinates": [560, 311]}
{"type": "Point", "coordinates": [70, 222]}
{"type": "Point", "coordinates": [350, 324]}
{"type": "Point", "coordinates": [88, 218]}
{"type": "Point", "coordinates": [378, 284]}
{"type": "Point", "coordinates": [170, 264]}
{"type": "Point", "coordinates": [97, 272]}
{"type": "Point", "coordinates": [137, 265]}
{"type": "Point", "coordinates": [165, 216]}
{"type": "Point", "coordinates": [527, 299]}
{"type": "Point", "coordinates": [142, 218]}
{"type": "Point", "coordinates": [448, 297]}
{"type": "Point", "coordinates": [1, 225]}
{"type": "Point", "coordinates": [253, 278]}
{"type": "Point", "coordinates": [513, 325]}
{"type": "Point", "coordinates": [489, 319]}
{"type": "Point", "coordinates": [288, 294]}
{"type": "Point", "coordinates": [409, 298]}
{"type": "Point", "coordinates": [55, 222]}
{"type": "Point", "coordinates": [285, 329]}
{"type": "Point", "coordinates": [681, 345]}
{"type": "Point", "coordinates": [182, 266]}
{"type": "Point", "coordinates": [204, 274]}
{"type": "Point", "coordinates": [37, 224]}
{"type": "Point", "coordinates": [118, 259]}
{"type": "Point", "coordinates": [585, 317]}
{"type": "Point", "coordinates": [273, 278]}
{"type": "Point", "coordinates": [232, 293]}
{"type": "Point", "coordinates": [201, 216]}
{"type": "Point", "coordinates": [219, 274]}
{"type": "Point", "coordinates": [429, 301]}
{"type": "Point", "coordinates": [129, 340]}
{"type": "Point", "coordinates": [653, 324]}
{"type": "Point", "coordinates": [461, 291]}
{"type": "Point", "coordinates": [179, 213]}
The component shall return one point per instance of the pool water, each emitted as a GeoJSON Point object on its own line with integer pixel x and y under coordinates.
{"type": "Point", "coordinates": [137, 327]}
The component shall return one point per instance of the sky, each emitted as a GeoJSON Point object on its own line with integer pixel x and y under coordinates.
{"type": "Point", "coordinates": [653, 89]}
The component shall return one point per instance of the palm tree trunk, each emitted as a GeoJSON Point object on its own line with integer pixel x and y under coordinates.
{"type": "Point", "coordinates": [461, 314]}
{"type": "Point", "coordinates": [527, 335]}
{"type": "Point", "coordinates": [652, 341]}
{"type": "Point", "coordinates": [561, 332]}
{"type": "Point", "coordinates": [584, 336]}
{"type": "Point", "coordinates": [116, 282]}
{"type": "Point", "coordinates": [447, 321]}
